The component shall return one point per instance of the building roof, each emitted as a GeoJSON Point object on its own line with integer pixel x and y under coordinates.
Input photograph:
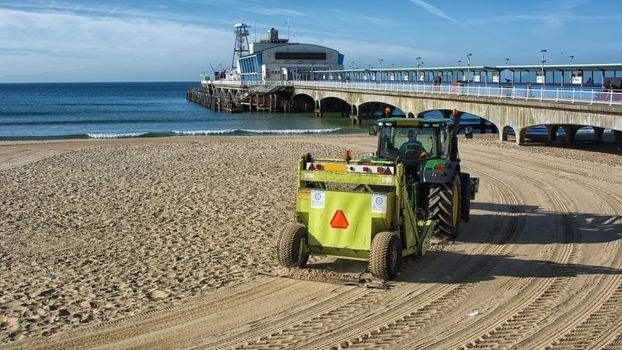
{"type": "Point", "coordinates": [533, 67]}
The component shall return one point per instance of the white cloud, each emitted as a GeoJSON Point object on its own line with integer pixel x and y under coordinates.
{"type": "Point", "coordinates": [433, 10]}
{"type": "Point", "coordinates": [38, 44]}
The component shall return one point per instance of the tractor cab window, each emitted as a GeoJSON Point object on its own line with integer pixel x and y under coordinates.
{"type": "Point", "coordinates": [444, 143]}
{"type": "Point", "coordinates": [387, 148]}
{"type": "Point", "coordinates": [408, 142]}
{"type": "Point", "coordinates": [419, 140]}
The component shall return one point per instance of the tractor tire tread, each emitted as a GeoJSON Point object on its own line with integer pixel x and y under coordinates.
{"type": "Point", "coordinates": [380, 260]}
{"type": "Point", "coordinates": [440, 209]}
{"type": "Point", "coordinates": [287, 247]}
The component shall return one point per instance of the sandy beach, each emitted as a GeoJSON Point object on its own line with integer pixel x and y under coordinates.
{"type": "Point", "coordinates": [96, 231]}
{"type": "Point", "coordinates": [103, 232]}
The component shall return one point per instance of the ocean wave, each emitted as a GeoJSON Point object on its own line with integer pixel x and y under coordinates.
{"type": "Point", "coordinates": [205, 132]}
{"type": "Point", "coordinates": [116, 136]}
{"type": "Point", "coordinates": [293, 131]}
{"type": "Point", "coordinates": [256, 131]}
{"type": "Point", "coordinates": [222, 132]}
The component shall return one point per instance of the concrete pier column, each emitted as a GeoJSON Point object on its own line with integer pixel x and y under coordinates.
{"type": "Point", "coordinates": [617, 137]}
{"type": "Point", "coordinates": [571, 132]}
{"type": "Point", "coordinates": [551, 131]}
{"type": "Point", "coordinates": [446, 113]}
{"type": "Point", "coordinates": [318, 109]}
{"type": "Point", "coordinates": [503, 135]}
{"type": "Point", "coordinates": [520, 135]}
{"type": "Point", "coordinates": [354, 116]}
{"type": "Point", "coordinates": [599, 133]}
{"type": "Point", "coordinates": [482, 126]}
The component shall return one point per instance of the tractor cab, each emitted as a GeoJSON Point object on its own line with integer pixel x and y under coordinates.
{"type": "Point", "coordinates": [425, 147]}
{"type": "Point", "coordinates": [414, 141]}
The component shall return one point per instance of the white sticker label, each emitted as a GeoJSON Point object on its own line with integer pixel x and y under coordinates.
{"type": "Point", "coordinates": [317, 199]}
{"type": "Point", "coordinates": [308, 175]}
{"type": "Point", "coordinates": [378, 203]}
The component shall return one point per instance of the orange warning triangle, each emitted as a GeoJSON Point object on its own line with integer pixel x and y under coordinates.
{"type": "Point", "coordinates": [339, 220]}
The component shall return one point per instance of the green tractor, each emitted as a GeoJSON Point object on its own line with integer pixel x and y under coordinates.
{"type": "Point", "coordinates": [384, 207]}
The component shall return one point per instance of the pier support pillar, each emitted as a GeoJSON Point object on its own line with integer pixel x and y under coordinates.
{"type": "Point", "coordinates": [520, 135]}
{"type": "Point", "coordinates": [354, 116]}
{"type": "Point", "coordinates": [551, 131]}
{"type": "Point", "coordinates": [617, 137]}
{"type": "Point", "coordinates": [571, 132]}
{"type": "Point", "coordinates": [445, 112]}
{"type": "Point", "coordinates": [318, 109]}
{"type": "Point", "coordinates": [482, 126]}
{"type": "Point", "coordinates": [503, 135]}
{"type": "Point", "coordinates": [599, 133]}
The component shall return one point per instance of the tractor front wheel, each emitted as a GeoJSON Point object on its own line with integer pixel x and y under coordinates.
{"type": "Point", "coordinates": [291, 248]}
{"type": "Point", "coordinates": [444, 204]}
{"type": "Point", "coordinates": [385, 257]}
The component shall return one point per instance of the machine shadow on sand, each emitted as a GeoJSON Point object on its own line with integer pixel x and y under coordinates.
{"type": "Point", "coordinates": [578, 228]}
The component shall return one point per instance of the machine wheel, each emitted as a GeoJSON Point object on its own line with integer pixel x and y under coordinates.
{"type": "Point", "coordinates": [465, 196]}
{"type": "Point", "coordinates": [385, 257]}
{"type": "Point", "coordinates": [291, 246]}
{"type": "Point", "coordinates": [444, 207]}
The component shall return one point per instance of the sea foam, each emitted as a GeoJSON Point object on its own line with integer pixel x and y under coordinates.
{"type": "Point", "coordinates": [116, 136]}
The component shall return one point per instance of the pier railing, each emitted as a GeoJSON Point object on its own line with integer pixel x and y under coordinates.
{"type": "Point", "coordinates": [565, 95]}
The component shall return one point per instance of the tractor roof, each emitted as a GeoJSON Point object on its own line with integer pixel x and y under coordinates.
{"type": "Point", "coordinates": [415, 122]}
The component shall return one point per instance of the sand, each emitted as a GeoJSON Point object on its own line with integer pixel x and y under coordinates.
{"type": "Point", "coordinates": [92, 232]}
{"type": "Point", "coordinates": [99, 233]}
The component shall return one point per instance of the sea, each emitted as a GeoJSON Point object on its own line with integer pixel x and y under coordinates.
{"type": "Point", "coordinates": [43, 111]}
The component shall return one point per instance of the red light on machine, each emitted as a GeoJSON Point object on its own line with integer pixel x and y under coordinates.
{"type": "Point", "coordinates": [440, 167]}
{"type": "Point", "coordinates": [339, 220]}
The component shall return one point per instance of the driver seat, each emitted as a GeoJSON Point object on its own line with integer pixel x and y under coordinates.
{"type": "Point", "coordinates": [413, 151]}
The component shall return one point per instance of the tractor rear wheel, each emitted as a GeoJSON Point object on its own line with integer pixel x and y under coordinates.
{"type": "Point", "coordinates": [385, 257]}
{"type": "Point", "coordinates": [444, 207]}
{"type": "Point", "coordinates": [291, 246]}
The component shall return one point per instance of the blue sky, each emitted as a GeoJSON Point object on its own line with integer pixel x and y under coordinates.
{"type": "Point", "coordinates": [134, 40]}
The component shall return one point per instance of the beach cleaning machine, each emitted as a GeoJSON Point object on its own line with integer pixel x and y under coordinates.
{"type": "Point", "coordinates": [382, 207]}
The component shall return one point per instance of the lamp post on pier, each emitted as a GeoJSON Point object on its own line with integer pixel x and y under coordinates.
{"type": "Point", "coordinates": [468, 56]}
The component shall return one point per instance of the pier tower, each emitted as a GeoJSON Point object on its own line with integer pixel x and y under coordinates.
{"type": "Point", "coordinates": [241, 47]}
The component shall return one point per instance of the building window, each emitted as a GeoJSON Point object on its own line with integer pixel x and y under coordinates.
{"type": "Point", "coordinates": [300, 55]}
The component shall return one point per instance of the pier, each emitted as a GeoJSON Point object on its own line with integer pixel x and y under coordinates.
{"type": "Point", "coordinates": [511, 108]}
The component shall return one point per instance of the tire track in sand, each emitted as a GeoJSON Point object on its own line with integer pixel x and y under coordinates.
{"type": "Point", "coordinates": [587, 325]}
{"type": "Point", "coordinates": [400, 320]}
